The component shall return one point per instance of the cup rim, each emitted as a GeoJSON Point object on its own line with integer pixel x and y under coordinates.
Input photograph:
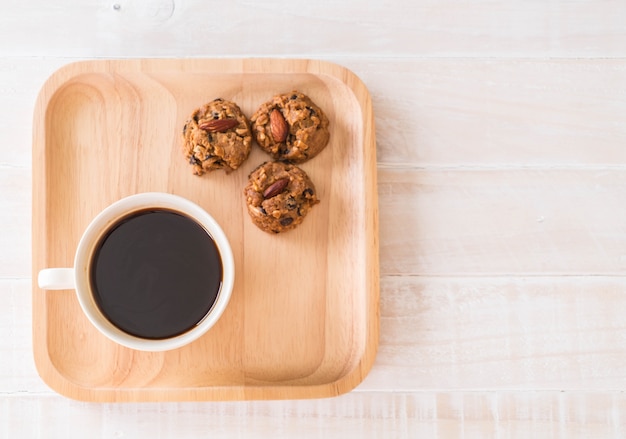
{"type": "Point", "coordinates": [102, 222]}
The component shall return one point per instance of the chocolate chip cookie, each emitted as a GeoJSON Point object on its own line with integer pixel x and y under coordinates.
{"type": "Point", "coordinates": [278, 196]}
{"type": "Point", "coordinates": [216, 136]}
{"type": "Point", "coordinates": [291, 127]}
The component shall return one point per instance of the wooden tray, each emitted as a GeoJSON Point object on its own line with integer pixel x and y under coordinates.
{"type": "Point", "coordinates": [303, 320]}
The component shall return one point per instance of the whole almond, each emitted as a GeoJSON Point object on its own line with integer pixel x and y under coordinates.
{"type": "Point", "coordinates": [218, 125]}
{"type": "Point", "coordinates": [278, 126]}
{"type": "Point", "coordinates": [276, 188]}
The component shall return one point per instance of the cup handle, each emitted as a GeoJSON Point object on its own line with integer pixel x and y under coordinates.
{"type": "Point", "coordinates": [56, 279]}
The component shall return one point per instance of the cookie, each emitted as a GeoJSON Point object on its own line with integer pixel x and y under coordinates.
{"type": "Point", "coordinates": [290, 127]}
{"type": "Point", "coordinates": [216, 136]}
{"type": "Point", "coordinates": [278, 196]}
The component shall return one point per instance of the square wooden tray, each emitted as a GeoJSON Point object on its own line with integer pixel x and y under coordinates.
{"type": "Point", "coordinates": [303, 320]}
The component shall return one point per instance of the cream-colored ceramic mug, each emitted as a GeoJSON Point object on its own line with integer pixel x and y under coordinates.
{"type": "Point", "coordinates": [152, 271]}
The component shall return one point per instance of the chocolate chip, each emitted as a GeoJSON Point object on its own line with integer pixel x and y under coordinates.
{"type": "Point", "coordinates": [293, 97]}
{"type": "Point", "coordinates": [185, 129]}
{"type": "Point", "coordinates": [290, 202]}
{"type": "Point", "coordinates": [311, 110]}
{"type": "Point", "coordinates": [262, 210]}
{"type": "Point", "coordinates": [286, 221]}
{"type": "Point", "coordinates": [193, 161]}
{"type": "Point", "coordinates": [308, 192]}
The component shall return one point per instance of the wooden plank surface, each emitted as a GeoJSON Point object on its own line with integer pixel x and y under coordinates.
{"type": "Point", "coordinates": [479, 333]}
{"type": "Point", "coordinates": [505, 222]}
{"type": "Point", "coordinates": [500, 139]}
{"type": "Point", "coordinates": [399, 414]}
{"type": "Point", "coordinates": [509, 113]}
{"type": "Point", "coordinates": [494, 112]}
{"type": "Point", "coordinates": [402, 28]}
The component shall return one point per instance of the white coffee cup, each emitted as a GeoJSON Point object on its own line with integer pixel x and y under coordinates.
{"type": "Point", "coordinates": [78, 277]}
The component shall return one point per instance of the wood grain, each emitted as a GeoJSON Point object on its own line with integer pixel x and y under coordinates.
{"type": "Point", "coordinates": [482, 333]}
{"type": "Point", "coordinates": [17, 371]}
{"type": "Point", "coordinates": [437, 334]}
{"type": "Point", "coordinates": [504, 222]}
{"type": "Point", "coordinates": [402, 29]}
{"type": "Point", "coordinates": [303, 320]}
{"type": "Point", "coordinates": [494, 112]}
{"type": "Point", "coordinates": [15, 226]}
{"type": "Point", "coordinates": [368, 415]}
{"type": "Point", "coordinates": [491, 116]}
{"type": "Point", "coordinates": [511, 113]}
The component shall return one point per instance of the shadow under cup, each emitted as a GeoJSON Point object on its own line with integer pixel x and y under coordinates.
{"type": "Point", "coordinates": [155, 273]}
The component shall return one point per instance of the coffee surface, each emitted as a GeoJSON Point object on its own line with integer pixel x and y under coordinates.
{"type": "Point", "coordinates": [156, 274]}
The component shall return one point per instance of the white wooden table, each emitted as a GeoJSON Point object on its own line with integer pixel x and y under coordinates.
{"type": "Point", "coordinates": [501, 139]}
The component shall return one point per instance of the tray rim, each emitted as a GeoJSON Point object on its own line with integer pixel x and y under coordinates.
{"type": "Point", "coordinates": [48, 372]}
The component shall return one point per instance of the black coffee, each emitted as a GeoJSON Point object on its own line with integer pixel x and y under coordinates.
{"type": "Point", "coordinates": [156, 273]}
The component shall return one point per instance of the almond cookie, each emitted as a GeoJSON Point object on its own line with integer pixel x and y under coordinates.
{"type": "Point", "coordinates": [278, 196]}
{"type": "Point", "coordinates": [291, 127]}
{"type": "Point", "coordinates": [216, 136]}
